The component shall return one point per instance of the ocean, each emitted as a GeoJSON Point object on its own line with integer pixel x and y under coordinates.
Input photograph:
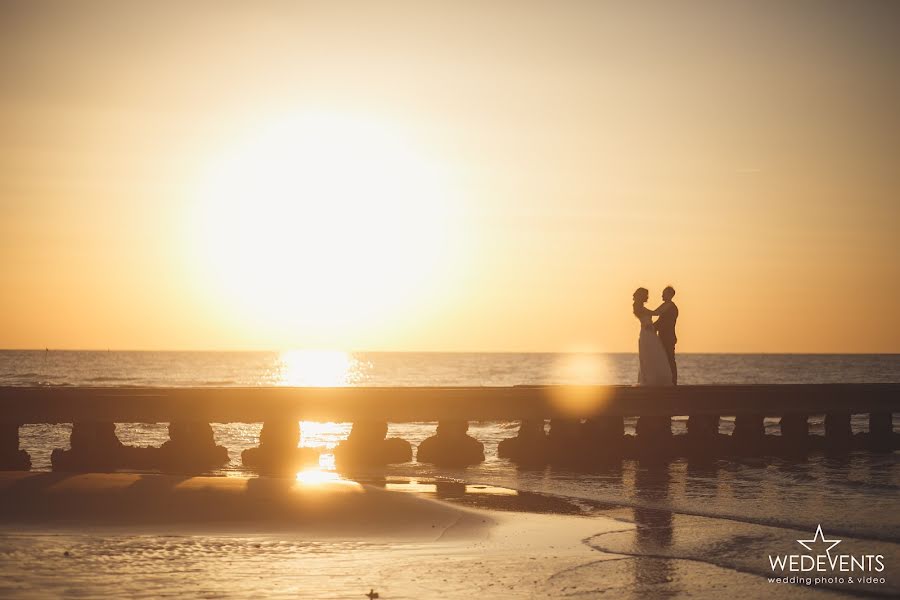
{"type": "Point", "coordinates": [853, 496]}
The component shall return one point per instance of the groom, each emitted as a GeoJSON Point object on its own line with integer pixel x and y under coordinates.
{"type": "Point", "coordinates": [665, 328]}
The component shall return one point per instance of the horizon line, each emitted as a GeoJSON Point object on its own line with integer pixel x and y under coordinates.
{"type": "Point", "coordinates": [278, 351]}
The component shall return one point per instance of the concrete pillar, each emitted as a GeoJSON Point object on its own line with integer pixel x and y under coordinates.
{"type": "Point", "coordinates": [94, 447]}
{"type": "Point", "coordinates": [603, 437]}
{"type": "Point", "coordinates": [450, 446]}
{"type": "Point", "coordinates": [605, 429]}
{"type": "Point", "coordinates": [795, 436]}
{"type": "Point", "coordinates": [367, 446]}
{"type": "Point", "coordinates": [702, 439]}
{"type": "Point", "coordinates": [749, 434]}
{"type": "Point", "coordinates": [564, 437]}
{"type": "Point", "coordinates": [191, 447]}
{"type": "Point", "coordinates": [837, 429]}
{"type": "Point", "coordinates": [278, 451]}
{"type": "Point", "coordinates": [654, 427]}
{"type": "Point", "coordinates": [11, 457]}
{"type": "Point", "coordinates": [280, 435]}
{"type": "Point", "coordinates": [703, 427]}
{"type": "Point", "coordinates": [881, 431]}
{"type": "Point", "coordinates": [654, 438]}
{"type": "Point", "coordinates": [881, 425]}
{"type": "Point", "coordinates": [749, 427]}
{"type": "Point", "coordinates": [529, 445]}
{"type": "Point", "coordinates": [794, 427]}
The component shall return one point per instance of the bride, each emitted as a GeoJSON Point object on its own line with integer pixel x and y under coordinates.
{"type": "Point", "coordinates": [654, 364]}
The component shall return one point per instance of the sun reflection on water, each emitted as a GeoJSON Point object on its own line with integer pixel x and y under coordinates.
{"type": "Point", "coordinates": [317, 476]}
{"type": "Point", "coordinates": [315, 368]}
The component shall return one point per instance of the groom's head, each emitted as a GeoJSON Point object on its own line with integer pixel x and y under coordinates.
{"type": "Point", "coordinates": [668, 293]}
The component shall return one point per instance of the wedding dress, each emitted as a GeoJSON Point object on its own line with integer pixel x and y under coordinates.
{"type": "Point", "coordinates": [654, 364]}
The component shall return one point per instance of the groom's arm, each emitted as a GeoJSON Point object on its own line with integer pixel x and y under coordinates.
{"type": "Point", "coordinates": [661, 309]}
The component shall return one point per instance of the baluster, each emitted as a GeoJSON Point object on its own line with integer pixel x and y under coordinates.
{"type": "Point", "coordinates": [529, 446]}
{"type": "Point", "coordinates": [837, 430]}
{"type": "Point", "coordinates": [191, 447]}
{"type": "Point", "coordinates": [450, 446]}
{"type": "Point", "coordinates": [702, 435]}
{"type": "Point", "coordinates": [368, 445]}
{"type": "Point", "coordinates": [564, 440]}
{"type": "Point", "coordinates": [749, 432]}
{"type": "Point", "coordinates": [94, 447]}
{"type": "Point", "coordinates": [881, 430]}
{"type": "Point", "coordinates": [603, 436]}
{"type": "Point", "coordinates": [11, 457]}
{"type": "Point", "coordinates": [278, 451]}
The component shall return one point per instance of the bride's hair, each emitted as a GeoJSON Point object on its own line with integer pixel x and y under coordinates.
{"type": "Point", "coordinates": [639, 296]}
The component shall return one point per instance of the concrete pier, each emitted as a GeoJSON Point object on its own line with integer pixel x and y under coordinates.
{"type": "Point", "coordinates": [590, 430]}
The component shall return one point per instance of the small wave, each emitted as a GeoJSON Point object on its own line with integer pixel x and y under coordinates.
{"type": "Point", "coordinates": [724, 515]}
{"type": "Point", "coordinates": [743, 549]}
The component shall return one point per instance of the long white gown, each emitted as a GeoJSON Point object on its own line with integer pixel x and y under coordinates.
{"type": "Point", "coordinates": [654, 364]}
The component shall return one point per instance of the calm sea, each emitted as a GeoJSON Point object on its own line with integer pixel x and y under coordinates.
{"type": "Point", "coordinates": [854, 496]}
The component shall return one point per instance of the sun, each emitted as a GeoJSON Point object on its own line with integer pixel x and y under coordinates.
{"type": "Point", "coordinates": [321, 223]}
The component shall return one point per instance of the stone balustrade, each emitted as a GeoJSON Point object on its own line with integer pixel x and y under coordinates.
{"type": "Point", "coordinates": [586, 423]}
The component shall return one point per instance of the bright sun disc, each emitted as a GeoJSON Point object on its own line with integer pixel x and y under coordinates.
{"type": "Point", "coordinates": [321, 223]}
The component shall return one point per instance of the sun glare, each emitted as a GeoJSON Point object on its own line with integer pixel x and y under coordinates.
{"type": "Point", "coordinates": [322, 222]}
{"type": "Point", "coordinates": [317, 477]}
{"type": "Point", "coordinates": [315, 368]}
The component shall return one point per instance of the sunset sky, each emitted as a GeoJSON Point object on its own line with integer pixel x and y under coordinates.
{"type": "Point", "coordinates": [449, 176]}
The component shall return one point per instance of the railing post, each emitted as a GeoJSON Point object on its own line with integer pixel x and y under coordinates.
{"type": "Point", "coordinates": [794, 431]}
{"type": "Point", "coordinates": [749, 427]}
{"type": "Point", "coordinates": [278, 450]}
{"type": "Point", "coordinates": [653, 433]}
{"type": "Point", "coordinates": [367, 446]}
{"type": "Point", "coordinates": [564, 439]}
{"type": "Point", "coordinates": [749, 433]}
{"type": "Point", "coordinates": [94, 447]}
{"type": "Point", "coordinates": [11, 457]}
{"type": "Point", "coordinates": [881, 430]}
{"type": "Point", "coordinates": [603, 436]}
{"type": "Point", "coordinates": [702, 435]}
{"type": "Point", "coordinates": [794, 427]}
{"type": "Point", "coordinates": [191, 446]}
{"type": "Point", "coordinates": [529, 445]}
{"type": "Point", "coordinates": [450, 446]}
{"type": "Point", "coordinates": [837, 429]}
{"type": "Point", "coordinates": [703, 427]}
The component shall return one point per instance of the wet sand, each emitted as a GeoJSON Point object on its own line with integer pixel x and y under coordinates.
{"type": "Point", "coordinates": [116, 535]}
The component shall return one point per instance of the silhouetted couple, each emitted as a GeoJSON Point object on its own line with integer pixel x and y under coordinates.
{"type": "Point", "coordinates": [656, 344]}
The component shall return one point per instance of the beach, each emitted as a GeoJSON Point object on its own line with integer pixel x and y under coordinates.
{"type": "Point", "coordinates": [146, 536]}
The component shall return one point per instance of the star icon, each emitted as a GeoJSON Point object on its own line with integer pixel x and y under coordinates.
{"type": "Point", "coordinates": [819, 537]}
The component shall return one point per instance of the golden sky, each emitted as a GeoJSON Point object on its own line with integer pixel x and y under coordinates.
{"type": "Point", "coordinates": [448, 176]}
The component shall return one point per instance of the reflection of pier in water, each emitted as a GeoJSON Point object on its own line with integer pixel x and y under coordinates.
{"type": "Point", "coordinates": [586, 422]}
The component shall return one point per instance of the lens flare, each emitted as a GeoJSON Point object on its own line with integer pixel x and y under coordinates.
{"type": "Point", "coordinates": [582, 376]}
